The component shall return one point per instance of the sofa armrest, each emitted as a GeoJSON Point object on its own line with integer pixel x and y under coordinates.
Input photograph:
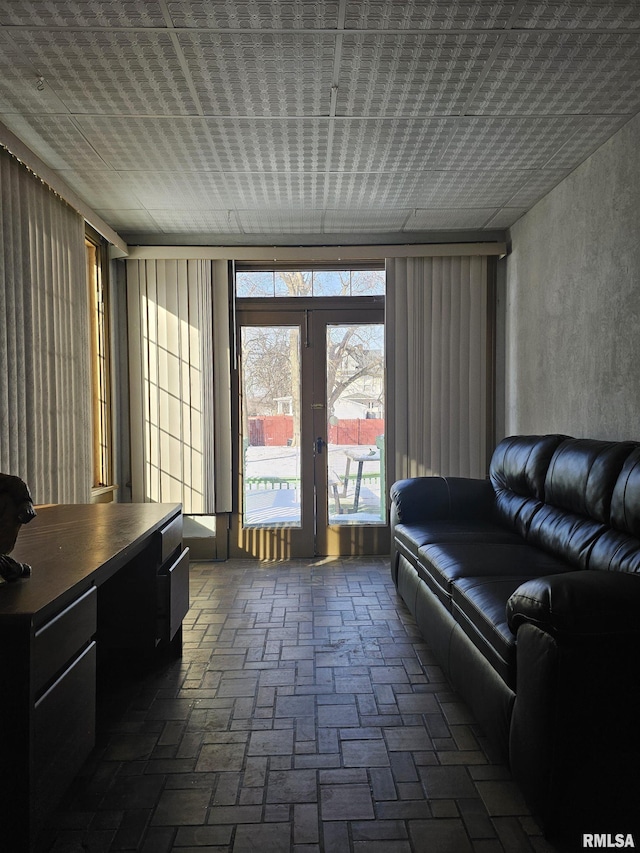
{"type": "Point", "coordinates": [582, 602]}
{"type": "Point", "coordinates": [437, 498]}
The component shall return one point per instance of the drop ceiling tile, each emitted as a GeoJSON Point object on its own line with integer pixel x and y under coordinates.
{"type": "Point", "coordinates": [488, 188]}
{"type": "Point", "coordinates": [270, 145]}
{"type": "Point", "coordinates": [538, 184]}
{"type": "Point", "coordinates": [508, 142]}
{"type": "Point", "coordinates": [280, 221]}
{"type": "Point", "coordinates": [96, 71]}
{"type": "Point", "coordinates": [181, 220]}
{"type": "Point", "coordinates": [448, 219]}
{"type": "Point", "coordinates": [255, 14]}
{"type": "Point", "coordinates": [363, 220]}
{"type": "Point", "coordinates": [362, 145]}
{"type": "Point", "coordinates": [81, 13]}
{"type": "Point", "coordinates": [573, 14]}
{"type": "Point", "coordinates": [130, 220]}
{"type": "Point", "coordinates": [505, 217]}
{"type": "Point", "coordinates": [265, 190]}
{"type": "Point", "coordinates": [21, 89]}
{"type": "Point", "coordinates": [159, 190]}
{"type": "Point", "coordinates": [166, 144]}
{"type": "Point", "coordinates": [552, 73]}
{"type": "Point", "coordinates": [56, 139]}
{"type": "Point", "coordinates": [275, 74]}
{"type": "Point", "coordinates": [441, 189]}
{"type": "Point", "coordinates": [410, 75]}
{"type": "Point", "coordinates": [427, 14]}
{"type": "Point", "coordinates": [102, 189]}
{"type": "Point", "coordinates": [591, 134]}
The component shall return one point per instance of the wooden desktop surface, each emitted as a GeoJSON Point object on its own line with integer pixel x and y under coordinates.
{"type": "Point", "coordinates": [72, 546]}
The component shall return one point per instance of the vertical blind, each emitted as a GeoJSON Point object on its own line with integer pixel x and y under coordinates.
{"type": "Point", "coordinates": [45, 384]}
{"type": "Point", "coordinates": [438, 366]}
{"type": "Point", "coordinates": [180, 383]}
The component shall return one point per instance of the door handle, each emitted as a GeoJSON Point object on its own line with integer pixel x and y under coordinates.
{"type": "Point", "coordinates": [319, 444]}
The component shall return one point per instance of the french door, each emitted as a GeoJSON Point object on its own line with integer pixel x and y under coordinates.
{"type": "Point", "coordinates": [311, 453]}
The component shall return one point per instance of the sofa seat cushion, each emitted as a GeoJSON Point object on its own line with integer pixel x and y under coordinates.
{"type": "Point", "coordinates": [441, 564]}
{"type": "Point", "coordinates": [479, 608]}
{"type": "Point", "coordinates": [412, 537]}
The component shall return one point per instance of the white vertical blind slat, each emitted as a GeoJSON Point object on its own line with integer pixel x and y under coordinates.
{"type": "Point", "coordinates": [437, 366]}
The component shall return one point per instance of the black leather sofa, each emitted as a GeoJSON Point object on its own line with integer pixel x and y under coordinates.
{"type": "Point", "coordinates": [526, 586]}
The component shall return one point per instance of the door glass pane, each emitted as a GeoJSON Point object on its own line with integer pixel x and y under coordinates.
{"type": "Point", "coordinates": [355, 428]}
{"type": "Point", "coordinates": [271, 426]}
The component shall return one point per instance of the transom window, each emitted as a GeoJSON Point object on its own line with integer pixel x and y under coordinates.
{"type": "Point", "coordinates": [310, 282]}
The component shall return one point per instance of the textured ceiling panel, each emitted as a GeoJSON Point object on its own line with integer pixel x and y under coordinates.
{"type": "Point", "coordinates": [389, 145]}
{"type": "Point", "coordinates": [538, 73]}
{"type": "Point", "coordinates": [593, 131]}
{"type": "Point", "coordinates": [272, 221]}
{"type": "Point", "coordinates": [260, 75]}
{"type": "Point", "coordinates": [209, 144]}
{"type": "Point", "coordinates": [102, 189]}
{"type": "Point", "coordinates": [505, 217]}
{"type": "Point", "coordinates": [57, 140]}
{"type": "Point", "coordinates": [427, 14]}
{"type": "Point", "coordinates": [573, 14]}
{"type": "Point", "coordinates": [339, 221]}
{"type": "Point", "coordinates": [419, 189]}
{"type": "Point", "coordinates": [412, 75]}
{"type": "Point", "coordinates": [173, 144]}
{"type": "Point", "coordinates": [93, 71]}
{"type": "Point", "coordinates": [508, 143]}
{"type": "Point", "coordinates": [264, 190]}
{"type": "Point", "coordinates": [438, 220]}
{"type": "Point", "coordinates": [188, 221]}
{"type": "Point", "coordinates": [255, 14]}
{"type": "Point", "coordinates": [81, 13]}
{"type": "Point", "coordinates": [270, 145]}
{"type": "Point", "coordinates": [171, 190]}
{"type": "Point", "coordinates": [130, 220]}
{"type": "Point", "coordinates": [535, 187]}
{"type": "Point", "coordinates": [471, 189]}
{"type": "Point", "coordinates": [21, 88]}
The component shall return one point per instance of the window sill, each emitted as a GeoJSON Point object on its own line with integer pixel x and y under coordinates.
{"type": "Point", "coordinates": [103, 494]}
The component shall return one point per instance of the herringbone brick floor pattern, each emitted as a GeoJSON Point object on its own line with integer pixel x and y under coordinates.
{"type": "Point", "coordinates": [306, 714]}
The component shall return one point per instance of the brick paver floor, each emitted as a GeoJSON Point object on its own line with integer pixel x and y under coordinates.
{"type": "Point", "coordinates": [306, 714]}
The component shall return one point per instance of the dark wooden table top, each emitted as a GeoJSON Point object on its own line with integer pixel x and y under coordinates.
{"type": "Point", "coordinates": [72, 546]}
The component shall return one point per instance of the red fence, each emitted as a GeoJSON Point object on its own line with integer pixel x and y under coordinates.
{"type": "Point", "coordinates": [277, 431]}
{"type": "Point", "coordinates": [356, 431]}
{"type": "Point", "coordinates": [271, 431]}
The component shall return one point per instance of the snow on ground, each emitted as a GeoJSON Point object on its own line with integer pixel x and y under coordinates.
{"type": "Point", "coordinates": [266, 505]}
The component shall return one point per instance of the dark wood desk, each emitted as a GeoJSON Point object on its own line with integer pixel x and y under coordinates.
{"type": "Point", "coordinates": [105, 576]}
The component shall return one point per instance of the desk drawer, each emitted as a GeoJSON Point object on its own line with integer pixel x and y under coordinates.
{"type": "Point", "coordinates": [170, 538]}
{"type": "Point", "coordinates": [173, 596]}
{"type": "Point", "coordinates": [63, 730]}
{"type": "Point", "coordinates": [57, 642]}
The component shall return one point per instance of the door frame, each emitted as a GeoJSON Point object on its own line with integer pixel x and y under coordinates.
{"type": "Point", "coordinates": [283, 542]}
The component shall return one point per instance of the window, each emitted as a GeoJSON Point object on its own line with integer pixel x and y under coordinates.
{"type": "Point", "coordinates": [98, 305]}
{"type": "Point", "coordinates": [310, 282]}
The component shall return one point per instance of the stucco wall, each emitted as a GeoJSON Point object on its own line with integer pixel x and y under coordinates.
{"type": "Point", "coordinates": [572, 337]}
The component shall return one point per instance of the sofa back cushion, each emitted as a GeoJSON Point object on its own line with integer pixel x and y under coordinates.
{"type": "Point", "coordinates": [582, 475]}
{"type": "Point", "coordinates": [625, 503]}
{"type": "Point", "coordinates": [619, 548]}
{"type": "Point", "coordinates": [578, 492]}
{"type": "Point", "coordinates": [518, 471]}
